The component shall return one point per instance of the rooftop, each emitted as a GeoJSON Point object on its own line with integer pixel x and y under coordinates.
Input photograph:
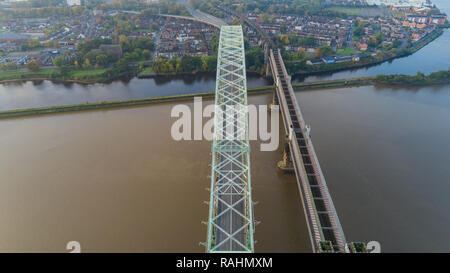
{"type": "Point", "coordinates": [13, 35]}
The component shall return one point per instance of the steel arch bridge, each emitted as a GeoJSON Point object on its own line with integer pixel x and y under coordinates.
{"type": "Point", "coordinates": [231, 223]}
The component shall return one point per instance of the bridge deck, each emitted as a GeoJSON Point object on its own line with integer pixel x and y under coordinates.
{"type": "Point", "coordinates": [323, 222]}
{"type": "Point", "coordinates": [230, 227]}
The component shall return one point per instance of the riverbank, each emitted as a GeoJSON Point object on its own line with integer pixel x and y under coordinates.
{"type": "Point", "coordinates": [184, 97]}
{"type": "Point", "coordinates": [329, 68]}
{"type": "Point", "coordinates": [118, 103]}
{"type": "Point", "coordinates": [441, 77]}
{"type": "Point", "coordinates": [436, 78]}
{"type": "Point", "coordinates": [81, 76]}
{"type": "Point", "coordinates": [105, 75]}
{"type": "Point", "coordinates": [373, 61]}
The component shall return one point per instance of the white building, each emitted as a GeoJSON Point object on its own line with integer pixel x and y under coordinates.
{"type": "Point", "coordinates": [73, 2]}
{"type": "Point", "coordinates": [399, 3]}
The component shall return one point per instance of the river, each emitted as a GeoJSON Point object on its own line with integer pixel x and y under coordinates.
{"type": "Point", "coordinates": [115, 181]}
{"type": "Point", "coordinates": [46, 93]}
{"type": "Point", "coordinates": [385, 153]}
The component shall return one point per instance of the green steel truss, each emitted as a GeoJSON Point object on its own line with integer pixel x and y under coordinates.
{"type": "Point", "coordinates": [231, 223]}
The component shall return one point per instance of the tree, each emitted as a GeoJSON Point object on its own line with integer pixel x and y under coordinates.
{"type": "Point", "coordinates": [122, 65]}
{"type": "Point", "coordinates": [86, 63]}
{"type": "Point", "coordinates": [301, 53]}
{"type": "Point", "coordinates": [154, 27]}
{"type": "Point", "coordinates": [324, 50]}
{"type": "Point", "coordinates": [209, 63]}
{"type": "Point", "coordinates": [59, 62]}
{"type": "Point", "coordinates": [143, 43]}
{"type": "Point", "coordinates": [264, 17]}
{"type": "Point", "coordinates": [124, 43]}
{"type": "Point", "coordinates": [11, 66]}
{"type": "Point", "coordinates": [159, 65]}
{"type": "Point", "coordinates": [358, 31]}
{"type": "Point", "coordinates": [254, 58]}
{"type": "Point", "coordinates": [236, 22]}
{"type": "Point", "coordinates": [146, 54]}
{"type": "Point", "coordinates": [33, 43]}
{"type": "Point", "coordinates": [32, 66]}
{"type": "Point", "coordinates": [190, 64]}
{"type": "Point", "coordinates": [376, 40]}
{"type": "Point", "coordinates": [101, 60]}
{"type": "Point", "coordinates": [285, 39]}
{"type": "Point", "coordinates": [178, 65]}
{"type": "Point", "coordinates": [124, 27]}
{"type": "Point", "coordinates": [308, 42]}
{"type": "Point", "coordinates": [396, 43]}
{"type": "Point", "coordinates": [215, 42]}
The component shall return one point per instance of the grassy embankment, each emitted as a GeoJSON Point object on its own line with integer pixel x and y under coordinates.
{"type": "Point", "coordinates": [16, 75]}
{"type": "Point", "coordinates": [420, 79]}
{"type": "Point", "coordinates": [441, 77]}
{"type": "Point", "coordinates": [186, 97]}
{"type": "Point", "coordinates": [79, 75]}
{"type": "Point", "coordinates": [359, 11]}
{"type": "Point", "coordinates": [147, 71]}
{"type": "Point", "coordinates": [87, 72]}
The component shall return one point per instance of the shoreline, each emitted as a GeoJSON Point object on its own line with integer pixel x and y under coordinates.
{"type": "Point", "coordinates": [46, 79]}
{"type": "Point", "coordinates": [151, 75]}
{"type": "Point", "coordinates": [421, 44]}
{"type": "Point", "coordinates": [354, 82]}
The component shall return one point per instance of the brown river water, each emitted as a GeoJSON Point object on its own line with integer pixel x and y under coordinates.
{"type": "Point", "coordinates": [115, 181]}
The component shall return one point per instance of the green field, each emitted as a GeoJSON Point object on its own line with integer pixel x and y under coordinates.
{"type": "Point", "coordinates": [88, 72]}
{"type": "Point", "coordinates": [46, 73]}
{"type": "Point", "coordinates": [346, 51]}
{"type": "Point", "coordinates": [144, 30]}
{"type": "Point", "coordinates": [358, 11]}
{"type": "Point", "coordinates": [147, 70]}
{"type": "Point", "coordinates": [11, 75]}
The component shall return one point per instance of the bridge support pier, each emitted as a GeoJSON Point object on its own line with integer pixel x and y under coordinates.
{"type": "Point", "coordinates": [286, 164]}
{"type": "Point", "coordinates": [268, 72]}
{"type": "Point", "coordinates": [274, 101]}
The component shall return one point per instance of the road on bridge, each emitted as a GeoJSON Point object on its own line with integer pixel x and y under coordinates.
{"type": "Point", "coordinates": [203, 16]}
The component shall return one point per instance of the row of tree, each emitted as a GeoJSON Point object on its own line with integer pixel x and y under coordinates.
{"type": "Point", "coordinates": [208, 7]}
{"type": "Point", "coordinates": [418, 79]}
{"type": "Point", "coordinates": [268, 7]}
{"type": "Point", "coordinates": [185, 64]}
{"type": "Point", "coordinates": [294, 40]}
{"type": "Point", "coordinates": [11, 66]}
{"type": "Point", "coordinates": [166, 7]}
{"type": "Point", "coordinates": [44, 12]}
